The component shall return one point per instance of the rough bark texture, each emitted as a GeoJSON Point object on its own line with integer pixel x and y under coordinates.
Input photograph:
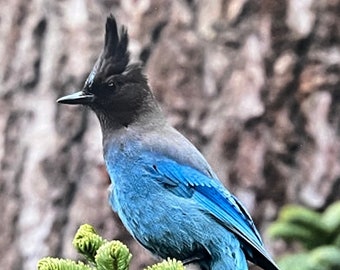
{"type": "Point", "coordinates": [254, 84]}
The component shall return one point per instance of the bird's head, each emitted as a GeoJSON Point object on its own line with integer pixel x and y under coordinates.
{"type": "Point", "coordinates": [115, 90]}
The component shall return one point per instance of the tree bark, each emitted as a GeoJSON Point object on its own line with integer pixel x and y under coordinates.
{"type": "Point", "coordinates": [253, 84]}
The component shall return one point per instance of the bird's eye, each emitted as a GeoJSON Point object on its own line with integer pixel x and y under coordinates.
{"type": "Point", "coordinates": [111, 83]}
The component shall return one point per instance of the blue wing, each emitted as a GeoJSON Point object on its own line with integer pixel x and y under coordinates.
{"type": "Point", "coordinates": [210, 194]}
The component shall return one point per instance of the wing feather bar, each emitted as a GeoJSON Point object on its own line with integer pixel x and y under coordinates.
{"type": "Point", "coordinates": [215, 199]}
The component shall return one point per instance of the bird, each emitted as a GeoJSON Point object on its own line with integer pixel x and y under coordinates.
{"type": "Point", "coordinates": [163, 189]}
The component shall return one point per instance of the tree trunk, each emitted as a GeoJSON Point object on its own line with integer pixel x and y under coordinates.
{"type": "Point", "coordinates": [254, 84]}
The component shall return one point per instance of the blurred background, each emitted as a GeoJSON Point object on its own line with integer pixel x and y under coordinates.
{"type": "Point", "coordinates": [254, 84]}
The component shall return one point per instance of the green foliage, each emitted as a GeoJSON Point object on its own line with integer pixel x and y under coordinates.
{"type": "Point", "coordinates": [100, 254]}
{"type": "Point", "coordinates": [169, 264]}
{"type": "Point", "coordinates": [113, 256]}
{"type": "Point", "coordinates": [86, 241]}
{"type": "Point", "coordinates": [295, 261]}
{"type": "Point", "coordinates": [60, 264]}
{"type": "Point", "coordinates": [318, 233]}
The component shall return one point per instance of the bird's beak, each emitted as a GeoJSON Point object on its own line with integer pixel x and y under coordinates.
{"type": "Point", "coordinates": [80, 97]}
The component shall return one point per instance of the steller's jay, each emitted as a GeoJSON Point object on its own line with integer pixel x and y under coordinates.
{"type": "Point", "coordinates": [163, 189]}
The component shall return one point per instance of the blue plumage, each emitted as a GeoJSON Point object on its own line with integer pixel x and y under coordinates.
{"type": "Point", "coordinates": [164, 191]}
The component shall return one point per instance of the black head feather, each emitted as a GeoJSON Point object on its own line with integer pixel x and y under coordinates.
{"type": "Point", "coordinates": [115, 57]}
{"type": "Point", "coordinates": [115, 53]}
{"type": "Point", "coordinates": [116, 90]}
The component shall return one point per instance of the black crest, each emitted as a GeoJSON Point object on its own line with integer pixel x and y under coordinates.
{"type": "Point", "coordinates": [115, 55]}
